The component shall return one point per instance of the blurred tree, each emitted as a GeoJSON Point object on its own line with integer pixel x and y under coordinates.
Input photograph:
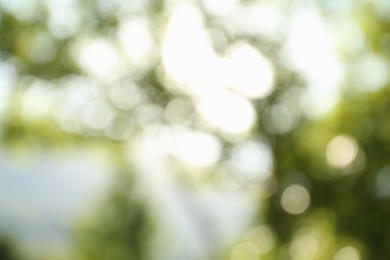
{"type": "Point", "coordinates": [328, 195]}
{"type": "Point", "coordinates": [7, 252]}
{"type": "Point", "coordinates": [120, 229]}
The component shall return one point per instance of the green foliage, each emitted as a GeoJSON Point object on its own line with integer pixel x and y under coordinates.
{"type": "Point", "coordinates": [121, 228]}
{"type": "Point", "coordinates": [348, 206]}
{"type": "Point", "coordinates": [7, 251]}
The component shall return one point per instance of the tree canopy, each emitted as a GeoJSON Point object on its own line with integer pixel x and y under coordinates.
{"type": "Point", "coordinates": [286, 102]}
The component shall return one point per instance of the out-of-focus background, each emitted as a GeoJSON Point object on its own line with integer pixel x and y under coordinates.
{"type": "Point", "coordinates": [194, 130]}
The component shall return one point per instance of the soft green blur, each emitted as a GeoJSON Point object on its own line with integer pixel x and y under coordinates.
{"type": "Point", "coordinates": [281, 107]}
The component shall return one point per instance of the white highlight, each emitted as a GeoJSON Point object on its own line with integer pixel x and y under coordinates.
{"type": "Point", "coordinates": [311, 49]}
{"type": "Point", "coordinates": [99, 58]}
{"type": "Point", "coordinates": [220, 7]}
{"type": "Point", "coordinates": [252, 75]}
{"type": "Point", "coordinates": [198, 149]}
{"type": "Point", "coordinates": [136, 39]}
{"type": "Point", "coordinates": [186, 50]}
{"type": "Point", "coordinates": [228, 112]}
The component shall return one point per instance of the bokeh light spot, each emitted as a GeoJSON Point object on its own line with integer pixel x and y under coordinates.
{"type": "Point", "coordinates": [42, 48]}
{"type": "Point", "coordinates": [310, 49]}
{"type": "Point", "coordinates": [251, 74]}
{"type": "Point", "coordinates": [305, 244]}
{"type": "Point", "coordinates": [136, 39]}
{"type": "Point", "coordinates": [24, 10]}
{"type": "Point", "coordinates": [281, 118]}
{"type": "Point", "coordinates": [125, 96]}
{"type": "Point", "coordinates": [220, 7]}
{"type": "Point", "coordinates": [37, 101]}
{"type": "Point", "coordinates": [371, 72]}
{"type": "Point", "coordinates": [295, 199]}
{"type": "Point", "coordinates": [227, 178]}
{"type": "Point", "coordinates": [228, 112]}
{"type": "Point", "coordinates": [185, 49]}
{"type": "Point", "coordinates": [347, 253]}
{"type": "Point", "coordinates": [98, 114]}
{"type": "Point", "coordinates": [198, 149]}
{"type": "Point", "coordinates": [382, 183]}
{"type": "Point", "coordinates": [263, 238]}
{"type": "Point", "coordinates": [179, 111]}
{"type": "Point", "coordinates": [245, 251]}
{"type": "Point", "coordinates": [98, 58]}
{"type": "Point", "coordinates": [341, 151]}
{"type": "Point", "coordinates": [253, 160]}
{"type": "Point", "coordinates": [65, 17]}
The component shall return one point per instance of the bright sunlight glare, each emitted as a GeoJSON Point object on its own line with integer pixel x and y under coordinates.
{"type": "Point", "coordinates": [311, 49]}
{"type": "Point", "coordinates": [252, 75]}
{"type": "Point", "coordinates": [228, 112]}
{"type": "Point", "coordinates": [186, 53]}
{"type": "Point", "coordinates": [137, 41]}
{"type": "Point", "coordinates": [198, 149]}
{"type": "Point", "coordinates": [98, 57]}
